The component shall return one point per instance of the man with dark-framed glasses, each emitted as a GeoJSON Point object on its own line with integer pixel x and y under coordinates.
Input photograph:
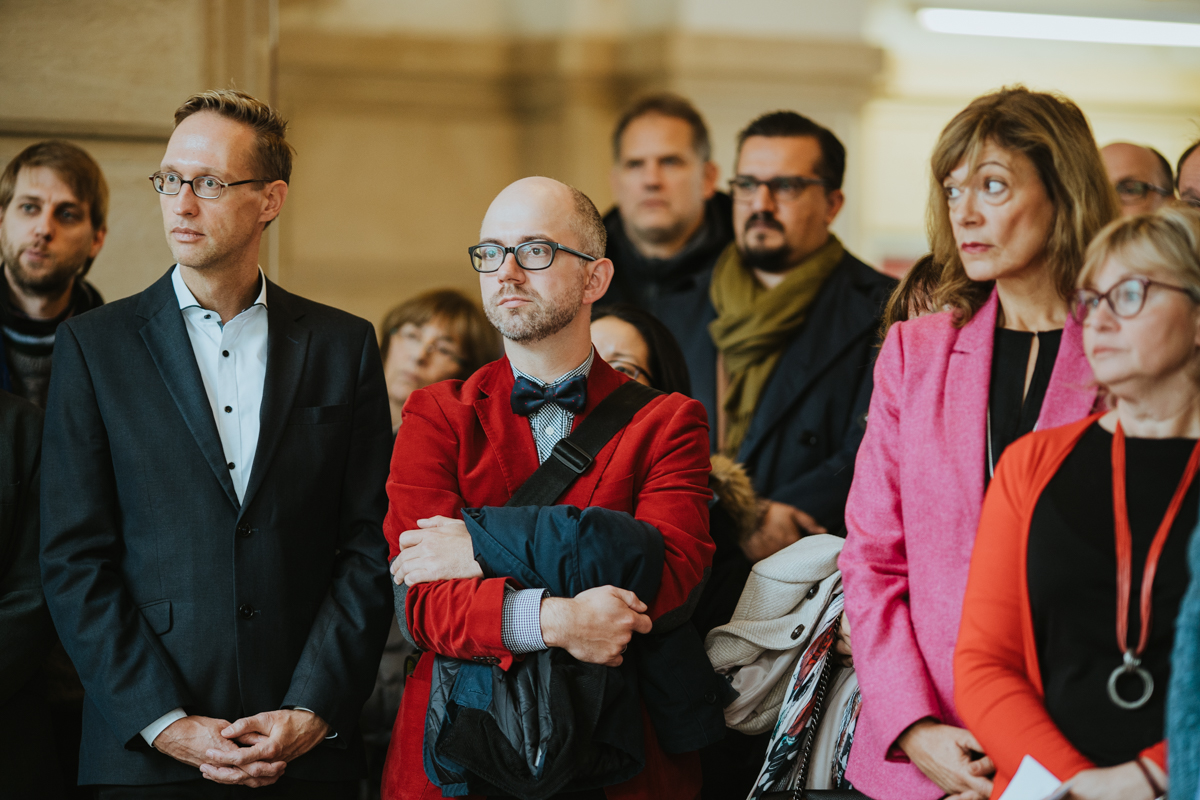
{"type": "Point", "coordinates": [467, 447]}
{"type": "Point", "coordinates": [212, 498]}
{"type": "Point", "coordinates": [794, 333]}
{"type": "Point", "coordinates": [1141, 175]}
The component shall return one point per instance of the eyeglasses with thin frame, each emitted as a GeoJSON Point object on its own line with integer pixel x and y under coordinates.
{"type": "Point", "coordinates": [784, 188]}
{"type": "Point", "coordinates": [411, 335]}
{"type": "Point", "coordinates": [630, 369]}
{"type": "Point", "coordinates": [206, 186]}
{"type": "Point", "coordinates": [1125, 298]}
{"type": "Point", "coordinates": [1130, 191]}
{"type": "Point", "coordinates": [530, 255]}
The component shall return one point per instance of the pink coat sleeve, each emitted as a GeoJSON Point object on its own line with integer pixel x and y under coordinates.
{"type": "Point", "coordinates": [895, 683]}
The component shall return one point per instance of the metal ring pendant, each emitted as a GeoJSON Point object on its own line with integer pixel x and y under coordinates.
{"type": "Point", "coordinates": [1132, 666]}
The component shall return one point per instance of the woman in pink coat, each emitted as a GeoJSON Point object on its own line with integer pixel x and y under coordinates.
{"type": "Point", "coordinates": [1018, 190]}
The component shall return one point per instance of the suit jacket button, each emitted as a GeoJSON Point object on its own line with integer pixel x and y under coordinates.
{"type": "Point", "coordinates": [796, 634]}
{"type": "Point", "coordinates": [493, 660]}
{"type": "Point", "coordinates": [245, 611]}
{"type": "Point", "coordinates": [244, 531]}
{"type": "Point", "coordinates": [710, 698]}
{"type": "Point", "coordinates": [816, 587]}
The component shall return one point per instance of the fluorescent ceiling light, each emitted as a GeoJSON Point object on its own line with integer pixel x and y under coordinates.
{"type": "Point", "coordinates": [1059, 28]}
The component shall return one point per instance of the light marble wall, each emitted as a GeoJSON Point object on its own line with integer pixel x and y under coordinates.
{"type": "Point", "coordinates": [408, 116]}
{"type": "Point", "coordinates": [109, 76]}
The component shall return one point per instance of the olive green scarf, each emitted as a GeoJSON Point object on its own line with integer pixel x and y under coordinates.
{"type": "Point", "coordinates": [754, 324]}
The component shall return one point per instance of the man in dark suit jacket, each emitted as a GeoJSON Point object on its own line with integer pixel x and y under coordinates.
{"type": "Point", "coordinates": [793, 319]}
{"type": "Point", "coordinates": [213, 495]}
{"type": "Point", "coordinates": [30, 767]}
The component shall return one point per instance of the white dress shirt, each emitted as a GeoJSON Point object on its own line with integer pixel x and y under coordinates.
{"type": "Point", "coordinates": [233, 365]}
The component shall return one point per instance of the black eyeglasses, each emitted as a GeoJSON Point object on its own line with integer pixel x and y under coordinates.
{"type": "Point", "coordinates": [784, 188]}
{"type": "Point", "coordinates": [529, 255]}
{"type": "Point", "coordinates": [1125, 299]}
{"type": "Point", "coordinates": [206, 186]}
{"type": "Point", "coordinates": [630, 369]}
{"type": "Point", "coordinates": [1131, 191]}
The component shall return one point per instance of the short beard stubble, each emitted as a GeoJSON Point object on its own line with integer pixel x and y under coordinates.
{"type": "Point", "coordinates": [51, 284]}
{"type": "Point", "coordinates": [536, 321]}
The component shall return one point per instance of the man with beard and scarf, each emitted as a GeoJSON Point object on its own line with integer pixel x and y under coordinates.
{"type": "Point", "coordinates": [466, 446]}
{"type": "Point", "coordinates": [794, 333]}
{"type": "Point", "coordinates": [53, 204]}
{"type": "Point", "coordinates": [669, 224]}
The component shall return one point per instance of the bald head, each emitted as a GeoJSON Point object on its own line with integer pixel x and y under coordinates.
{"type": "Point", "coordinates": [552, 210]}
{"type": "Point", "coordinates": [1138, 172]}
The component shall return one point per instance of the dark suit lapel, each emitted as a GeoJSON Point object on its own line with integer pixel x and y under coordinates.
{"type": "Point", "coordinates": [166, 337]}
{"type": "Point", "coordinates": [287, 347]}
{"type": "Point", "coordinates": [839, 316]}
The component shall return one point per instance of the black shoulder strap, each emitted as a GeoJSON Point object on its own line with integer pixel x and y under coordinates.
{"type": "Point", "coordinates": [574, 454]}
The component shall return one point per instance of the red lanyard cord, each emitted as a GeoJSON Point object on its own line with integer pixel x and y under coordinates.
{"type": "Point", "coordinates": [1124, 538]}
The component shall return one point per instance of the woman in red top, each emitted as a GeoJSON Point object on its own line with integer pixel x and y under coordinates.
{"type": "Point", "coordinates": [1080, 561]}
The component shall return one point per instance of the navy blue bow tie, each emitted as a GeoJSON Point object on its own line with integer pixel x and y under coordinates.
{"type": "Point", "coordinates": [528, 397]}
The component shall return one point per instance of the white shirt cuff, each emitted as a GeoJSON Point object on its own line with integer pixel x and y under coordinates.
{"type": "Point", "coordinates": [151, 731]}
{"type": "Point", "coordinates": [521, 625]}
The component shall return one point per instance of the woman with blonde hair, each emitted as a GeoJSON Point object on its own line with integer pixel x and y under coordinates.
{"type": "Point", "coordinates": [1018, 190]}
{"type": "Point", "coordinates": [1090, 518]}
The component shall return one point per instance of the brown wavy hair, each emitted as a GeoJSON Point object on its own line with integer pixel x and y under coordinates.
{"type": "Point", "coordinates": [478, 341]}
{"type": "Point", "coordinates": [1053, 133]}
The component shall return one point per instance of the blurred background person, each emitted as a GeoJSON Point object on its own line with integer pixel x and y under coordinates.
{"type": "Point", "coordinates": [635, 343]}
{"type": "Point", "coordinates": [1187, 175]}
{"type": "Point", "coordinates": [1017, 191]}
{"type": "Point", "coordinates": [914, 296]}
{"type": "Point", "coordinates": [670, 223]}
{"type": "Point", "coordinates": [795, 331]}
{"type": "Point", "coordinates": [30, 764]}
{"type": "Point", "coordinates": [53, 208]}
{"type": "Point", "coordinates": [1141, 175]}
{"type": "Point", "coordinates": [438, 335]}
{"type": "Point", "coordinates": [53, 222]}
{"type": "Point", "coordinates": [1037, 669]}
{"type": "Point", "coordinates": [435, 336]}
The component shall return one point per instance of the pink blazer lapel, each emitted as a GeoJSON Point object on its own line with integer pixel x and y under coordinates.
{"type": "Point", "coordinates": [1072, 393]}
{"type": "Point", "coordinates": [968, 379]}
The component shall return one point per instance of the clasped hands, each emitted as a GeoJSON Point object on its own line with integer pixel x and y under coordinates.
{"type": "Point", "coordinates": [253, 751]}
{"type": "Point", "coordinates": [594, 626]}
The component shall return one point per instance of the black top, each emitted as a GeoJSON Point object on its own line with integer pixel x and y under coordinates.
{"type": "Point", "coordinates": [1072, 571]}
{"type": "Point", "coordinates": [1011, 416]}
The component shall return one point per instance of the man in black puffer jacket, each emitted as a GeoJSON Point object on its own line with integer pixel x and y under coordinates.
{"type": "Point", "coordinates": [669, 224]}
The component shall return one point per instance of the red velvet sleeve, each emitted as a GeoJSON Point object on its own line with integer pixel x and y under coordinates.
{"type": "Point", "coordinates": [674, 499]}
{"type": "Point", "coordinates": [992, 686]}
{"type": "Point", "coordinates": [457, 618]}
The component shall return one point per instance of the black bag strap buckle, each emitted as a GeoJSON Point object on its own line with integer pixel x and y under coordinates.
{"type": "Point", "coordinates": [572, 455]}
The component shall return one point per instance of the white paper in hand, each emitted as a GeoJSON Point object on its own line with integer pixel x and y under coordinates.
{"type": "Point", "coordinates": [1032, 782]}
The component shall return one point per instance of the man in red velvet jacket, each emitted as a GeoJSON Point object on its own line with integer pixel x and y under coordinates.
{"type": "Point", "coordinates": [471, 444]}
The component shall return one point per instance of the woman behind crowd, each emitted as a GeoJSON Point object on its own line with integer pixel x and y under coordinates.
{"type": "Point", "coordinates": [1018, 190]}
{"type": "Point", "coordinates": [433, 337]}
{"type": "Point", "coordinates": [1044, 667]}
{"type": "Point", "coordinates": [636, 343]}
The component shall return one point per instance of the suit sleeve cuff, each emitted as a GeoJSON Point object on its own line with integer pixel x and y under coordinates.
{"type": "Point", "coordinates": [151, 731]}
{"type": "Point", "coordinates": [521, 627]}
